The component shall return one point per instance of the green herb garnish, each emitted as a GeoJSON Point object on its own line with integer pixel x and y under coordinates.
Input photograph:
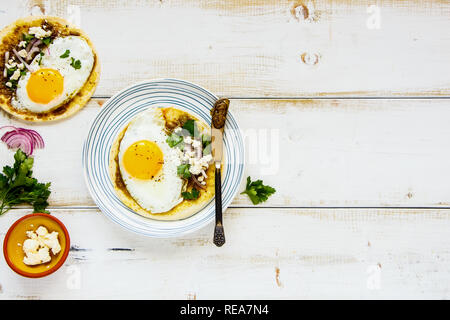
{"type": "Point", "coordinates": [65, 54]}
{"type": "Point", "coordinates": [75, 63]}
{"type": "Point", "coordinates": [191, 127]}
{"type": "Point", "coordinates": [11, 71]}
{"type": "Point", "coordinates": [206, 143]}
{"type": "Point", "coordinates": [206, 140]}
{"type": "Point", "coordinates": [173, 140]}
{"type": "Point", "coordinates": [183, 171]}
{"type": "Point", "coordinates": [13, 84]}
{"type": "Point", "coordinates": [27, 37]}
{"type": "Point", "coordinates": [47, 41]}
{"type": "Point", "coordinates": [191, 195]}
{"type": "Point", "coordinates": [40, 58]}
{"type": "Point", "coordinates": [257, 192]}
{"type": "Point", "coordinates": [17, 185]}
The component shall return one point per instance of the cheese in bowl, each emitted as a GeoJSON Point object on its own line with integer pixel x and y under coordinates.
{"type": "Point", "coordinates": [160, 164]}
{"type": "Point", "coordinates": [49, 69]}
{"type": "Point", "coordinates": [36, 245]}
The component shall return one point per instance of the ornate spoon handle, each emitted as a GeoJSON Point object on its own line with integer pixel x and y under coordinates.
{"type": "Point", "coordinates": [219, 234]}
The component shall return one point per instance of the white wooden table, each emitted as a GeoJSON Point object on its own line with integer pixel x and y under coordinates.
{"type": "Point", "coordinates": [359, 112]}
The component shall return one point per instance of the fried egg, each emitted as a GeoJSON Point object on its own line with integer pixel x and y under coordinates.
{"type": "Point", "coordinates": [148, 165]}
{"type": "Point", "coordinates": [55, 78]}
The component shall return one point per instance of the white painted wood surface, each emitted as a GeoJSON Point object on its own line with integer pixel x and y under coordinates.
{"type": "Point", "coordinates": [390, 153]}
{"type": "Point", "coordinates": [271, 253]}
{"type": "Point", "coordinates": [317, 153]}
{"type": "Point", "coordinates": [254, 48]}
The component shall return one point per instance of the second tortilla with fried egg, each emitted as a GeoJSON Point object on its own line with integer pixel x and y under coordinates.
{"type": "Point", "coordinates": [31, 44]}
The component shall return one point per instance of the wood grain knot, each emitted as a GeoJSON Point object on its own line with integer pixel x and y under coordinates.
{"type": "Point", "coordinates": [305, 12]}
{"type": "Point", "coordinates": [310, 58]}
{"type": "Point", "coordinates": [36, 7]}
{"type": "Point", "coordinates": [300, 12]}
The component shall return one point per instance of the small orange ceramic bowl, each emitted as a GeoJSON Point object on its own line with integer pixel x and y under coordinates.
{"type": "Point", "coordinates": [16, 235]}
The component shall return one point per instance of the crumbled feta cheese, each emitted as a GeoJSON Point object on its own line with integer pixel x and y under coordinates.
{"type": "Point", "coordinates": [203, 183]}
{"type": "Point", "coordinates": [30, 245]}
{"type": "Point", "coordinates": [207, 158]}
{"type": "Point", "coordinates": [188, 140]}
{"type": "Point", "coordinates": [22, 44]}
{"type": "Point", "coordinates": [204, 161]}
{"type": "Point", "coordinates": [31, 235]}
{"type": "Point", "coordinates": [32, 259]}
{"type": "Point", "coordinates": [41, 231]}
{"type": "Point", "coordinates": [39, 32]}
{"type": "Point", "coordinates": [23, 53]}
{"type": "Point", "coordinates": [200, 178]}
{"type": "Point", "coordinates": [178, 130]}
{"type": "Point", "coordinates": [195, 169]}
{"type": "Point", "coordinates": [44, 254]}
{"type": "Point", "coordinates": [16, 75]}
{"type": "Point", "coordinates": [11, 64]}
{"type": "Point", "coordinates": [195, 166]}
{"type": "Point", "coordinates": [37, 247]}
{"type": "Point", "coordinates": [8, 84]}
{"type": "Point", "coordinates": [20, 66]}
{"type": "Point", "coordinates": [196, 143]}
{"type": "Point", "coordinates": [186, 157]}
{"type": "Point", "coordinates": [192, 154]}
{"type": "Point", "coordinates": [51, 241]}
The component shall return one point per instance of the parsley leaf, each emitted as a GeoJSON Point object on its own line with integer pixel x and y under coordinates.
{"type": "Point", "coordinates": [76, 64]}
{"type": "Point", "coordinates": [17, 185]}
{"type": "Point", "coordinates": [191, 195]}
{"type": "Point", "coordinates": [183, 171]}
{"type": "Point", "coordinates": [47, 41]}
{"type": "Point", "coordinates": [9, 72]}
{"type": "Point", "coordinates": [65, 54]}
{"type": "Point", "coordinates": [174, 140]}
{"type": "Point", "coordinates": [258, 192]}
{"type": "Point", "coordinates": [206, 140]}
{"type": "Point", "coordinates": [191, 127]}
{"type": "Point", "coordinates": [40, 58]}
{"type": "Point", "coordinates": [206, 143]}
{"type": "Point", "coordinates": [27, 37]}
{"type": "Point", "coordinates": [13, 84]}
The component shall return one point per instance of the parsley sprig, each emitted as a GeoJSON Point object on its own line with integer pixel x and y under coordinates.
{"type": "Point", "coordinates": [65, 54]}
{"type": "Point", "coordinates": [191, 195]}
{"type": "Point", "coordinates": [17, 185]}
{"type": "Point", "coordinates": [183, 170]}
{"type": "Point", "coordinates": [76, 64]}
{"type": "Point", "coordinates": [257, 191]}
{"type": "Point", "coordinates": [174, 140]}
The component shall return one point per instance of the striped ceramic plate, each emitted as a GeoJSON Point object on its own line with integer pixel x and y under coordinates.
{"type": "Point", "coordinates": [116, 113]}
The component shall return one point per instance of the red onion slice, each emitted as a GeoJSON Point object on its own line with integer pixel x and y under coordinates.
{"type": "Point", "coordinates": [25, 139]}
{"type": "Point", "coordinates": [31, 44]}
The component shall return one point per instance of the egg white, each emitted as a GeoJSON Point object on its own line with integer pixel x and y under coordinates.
{"type": "Point", "coordinates": [163, 192]}
{"type": "Point", "coordinates": [74, 79]}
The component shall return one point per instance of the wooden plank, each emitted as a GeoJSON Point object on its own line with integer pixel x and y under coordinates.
{"type": "Point", "coordinates": [270, 253]}
{"type": "Point", "coordinates": [263, 48]}
{"type": "Point", "coordinates": [316, 153]}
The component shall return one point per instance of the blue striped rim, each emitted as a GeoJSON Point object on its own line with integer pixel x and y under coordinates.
{"type": "Point", "coordinates": [112, 118]}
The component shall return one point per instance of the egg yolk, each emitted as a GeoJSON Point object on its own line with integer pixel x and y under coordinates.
{"type": "Point", "coordinates": [45, 85]}
{"type": "Point", "coordinates": [143, 159]}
